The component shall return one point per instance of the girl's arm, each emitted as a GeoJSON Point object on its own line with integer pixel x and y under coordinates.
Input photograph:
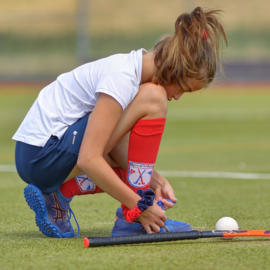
{"type": "Point", "coordinates": [101, 124]}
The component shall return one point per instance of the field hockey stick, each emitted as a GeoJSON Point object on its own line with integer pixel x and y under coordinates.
{"type": "Point", "coordinates": [162, 237]}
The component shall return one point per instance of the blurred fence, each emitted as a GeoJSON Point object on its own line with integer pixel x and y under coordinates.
{"type": "Point", "coordinates": [41, 39]}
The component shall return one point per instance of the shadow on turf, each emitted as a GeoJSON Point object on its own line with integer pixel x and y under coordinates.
{"type": "Point", "coordinates": [29, 234]}
{"type": "Point", "coordinates": [38, 234]}
{"type": "Point", "coordinates": [193, 242]}
{"type": "Point", "coordinates": [104, 233]}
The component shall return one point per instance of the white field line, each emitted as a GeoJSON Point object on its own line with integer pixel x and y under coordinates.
{"type": "Point", "coordinates": [7, 168]}
{"type": "Point", "coordinates": [218, 114]}
{"type": "Point", "coordinates": [232, 175]}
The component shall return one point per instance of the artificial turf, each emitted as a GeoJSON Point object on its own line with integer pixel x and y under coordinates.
{"type": "Point", "coordinates": [219, 129]}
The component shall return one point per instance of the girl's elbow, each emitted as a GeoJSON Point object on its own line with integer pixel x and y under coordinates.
{"type": "Point", "coordinates": [87, 162]}
{"type": "Point", "coordinates": [83, 163]}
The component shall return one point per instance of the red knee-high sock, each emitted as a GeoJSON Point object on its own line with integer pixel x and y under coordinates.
{"type": "Point", "coordinates": [82, 185]}
{"type": "Point", "coordinates": [144, 141]}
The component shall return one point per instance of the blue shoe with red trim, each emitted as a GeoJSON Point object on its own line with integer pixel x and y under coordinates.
{"type": "Point", "coordinates": [52, 211]}
{"type": "Point", "coordinates": [123, 227]}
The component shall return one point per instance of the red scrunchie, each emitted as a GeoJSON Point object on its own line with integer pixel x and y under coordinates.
{"type": "Point", "coordinates": [132, 214]}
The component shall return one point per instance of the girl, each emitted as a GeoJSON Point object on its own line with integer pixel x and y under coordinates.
{"type": "Point", "coordinates": [98, 129]}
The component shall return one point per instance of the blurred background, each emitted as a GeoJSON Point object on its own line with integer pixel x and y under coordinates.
{"type": "Point", "coordinates": [221, 129]}
{"type": "Point", "coordinates": [41, 39]}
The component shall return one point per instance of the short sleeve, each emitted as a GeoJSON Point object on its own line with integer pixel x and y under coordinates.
{"type": "Point", "coordinates": [123, 87]}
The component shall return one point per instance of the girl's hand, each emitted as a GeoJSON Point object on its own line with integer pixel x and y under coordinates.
{"type": "Point", "coordinates": [163, 190]}
{"type": "Point", "coordinates": [166, 192]}
{"type": "Point", "coordinates": [153, 218]}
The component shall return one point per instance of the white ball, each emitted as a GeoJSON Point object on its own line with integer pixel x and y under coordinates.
{"type": "Point", "coordinates": [227, 223]}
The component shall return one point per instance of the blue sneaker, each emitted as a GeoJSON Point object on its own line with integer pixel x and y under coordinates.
{"type": "Point", "coordinates": [51, 210]}
{"type": "Point", "coordinates": [123, 227]}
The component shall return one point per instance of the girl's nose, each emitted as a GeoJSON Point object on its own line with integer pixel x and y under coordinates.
{"type": "Point", "coordinates": [177, 96]}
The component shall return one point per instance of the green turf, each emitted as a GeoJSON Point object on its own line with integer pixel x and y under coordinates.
{"type": "Point", "coordinates": [209, 131]}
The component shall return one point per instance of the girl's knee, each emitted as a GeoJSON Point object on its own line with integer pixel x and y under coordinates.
{"type": "Point", "coordinates": [154, 99]}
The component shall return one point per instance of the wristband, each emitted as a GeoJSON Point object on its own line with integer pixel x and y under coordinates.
{"type": "Point", "coordinates": [147, 199]}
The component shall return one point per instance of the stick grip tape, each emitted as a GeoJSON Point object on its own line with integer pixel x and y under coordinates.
{"type": "Point", "coordinates": [137, 239]}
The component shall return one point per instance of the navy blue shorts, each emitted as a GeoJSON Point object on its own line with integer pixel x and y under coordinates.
{"type": "Point", "coordinates": [47, 167]}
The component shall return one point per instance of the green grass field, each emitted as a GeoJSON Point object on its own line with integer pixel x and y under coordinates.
{"type": "Point", "coordinates": [218, 129]}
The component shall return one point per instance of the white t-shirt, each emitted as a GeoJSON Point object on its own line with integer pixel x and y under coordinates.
{"type": "Point", "coordinates": [74, 94]}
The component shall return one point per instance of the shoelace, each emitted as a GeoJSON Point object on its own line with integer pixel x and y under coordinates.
{"type": "Point", "coordinates": [159, 203]}
{"type": "Point", "coordinates": [68, 217]}
{"type": "Point", "coordinates": [162, 206]}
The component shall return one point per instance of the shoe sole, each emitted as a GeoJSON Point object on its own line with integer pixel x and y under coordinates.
{"type": "Point", "coordinates": [116, 232]}
{"type": "Point", "coordinates": [36, 202]}
{"type": "Point", "coordinates": [126, 233]}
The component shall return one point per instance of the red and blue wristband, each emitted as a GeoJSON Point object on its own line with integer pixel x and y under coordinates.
{"type": "Point", "coordinates": [147, 199]}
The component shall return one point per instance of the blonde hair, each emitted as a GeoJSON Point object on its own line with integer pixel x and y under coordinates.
{"type": "Point", "coordinates": [194, 46]}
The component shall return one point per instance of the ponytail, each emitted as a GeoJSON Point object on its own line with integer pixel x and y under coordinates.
{"type": "Point", "coordinates": [194, 47]}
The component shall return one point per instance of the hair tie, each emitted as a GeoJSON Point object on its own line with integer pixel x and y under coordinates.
{"type": "Point", "coordinates": [147, 199]}
{"type": "Point", "coordinates": [205, 35]}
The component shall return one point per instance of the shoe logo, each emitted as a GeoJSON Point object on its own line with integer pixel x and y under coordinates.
{"type": "Point", "coordinates": [85, 184]}
{"type": "Point", "coordinates": [60, 213]}
{"type": "Point", "coordinates": [139, 174]}
{"type": "Point", "coordinates": [74, 135]}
